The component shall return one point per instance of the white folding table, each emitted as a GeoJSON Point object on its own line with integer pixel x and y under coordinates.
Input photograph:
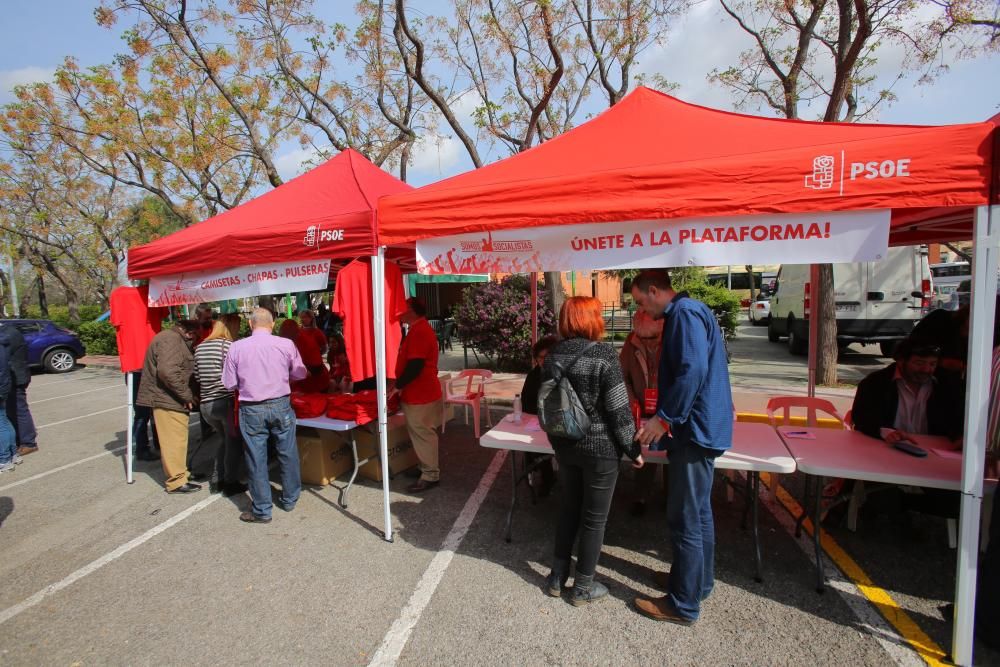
{"type": "Point", "coordinates": [824, 452]}
{"type": "Point", "coordinates": [756, 449]}
{"type": "Point", "coordinates": [340, 426]}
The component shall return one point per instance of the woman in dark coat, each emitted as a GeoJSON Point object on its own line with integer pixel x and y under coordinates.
{"type": "Point", "coordinates": [588, 468]}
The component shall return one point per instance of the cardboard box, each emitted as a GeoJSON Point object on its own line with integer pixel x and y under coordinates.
{"type": "Point", "coordinates": [401, 453]}
{"type": "Point", "coordinates": [323, 455]}
{"type": "Point", "coordinates": [326, 455]}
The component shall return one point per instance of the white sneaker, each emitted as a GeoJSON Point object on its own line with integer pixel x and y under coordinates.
{"type": "Point", "coordinates": [7, 467]}
{"type": "Point", "coordinates": [17, 460]}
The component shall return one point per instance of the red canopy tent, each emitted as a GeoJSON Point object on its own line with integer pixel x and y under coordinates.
{"type": "Point", "coordinates": [284, 224]}
{"type": "Point", "coordinates": [328, 213]}
{"type": "Point", "coordinates": [652, 158]}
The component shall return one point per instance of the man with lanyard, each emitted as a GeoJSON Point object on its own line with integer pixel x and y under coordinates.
{"type": "Point", "coordinates": [695, 414]}
{"type": "Point", "coordinates": [420, 391]}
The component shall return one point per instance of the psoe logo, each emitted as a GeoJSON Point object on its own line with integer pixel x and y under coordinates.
{"type": "Point", "coordinates": [316, 235]}
{"type": "Point", "coordinates": [821, 177]}
{"type": "Point", "coordinates": [310, 240]}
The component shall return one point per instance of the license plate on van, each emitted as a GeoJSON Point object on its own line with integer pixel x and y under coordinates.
{"type": "Point", "coordinates": [847, 307]}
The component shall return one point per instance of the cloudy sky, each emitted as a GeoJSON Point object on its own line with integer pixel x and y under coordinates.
{"type": "Point", "coordinates": [35, 37]}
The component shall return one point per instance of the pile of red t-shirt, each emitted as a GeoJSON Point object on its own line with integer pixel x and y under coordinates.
{"type": "Point", "coordinates": [307, 406]}
{"type": "Point", "coordinates": [361, 407]}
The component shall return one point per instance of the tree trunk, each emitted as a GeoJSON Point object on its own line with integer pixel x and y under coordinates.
{"type": "Point", "coordinates": [5, 294]}
{"type": "Point", "coordinates": [554, 292]}
{"type": "Point", "coordinates": [825, 312]}
{"type": "Point", "coordinates": [43, 301]}
{"type": "Point", "coordinates": [73, 302]}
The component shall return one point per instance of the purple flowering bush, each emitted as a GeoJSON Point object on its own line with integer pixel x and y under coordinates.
{"type": "Point", "coordinates": [495, 319]}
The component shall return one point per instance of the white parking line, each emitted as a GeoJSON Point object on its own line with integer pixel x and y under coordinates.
{"type": "Point", "coordinates": [93, 566]}
{"type": "Point", "coordinates": [90, 414]}
{"type": "Point", "coordinates": [70, 465]}
{"type": "Point", "coordinates": [394, 641]}
{"type": "Point", "coordinates": [868, 616]}
{"type": "Point", "coordinates": [59, 469]}
{"type": "Point", "coordinates": [78, 375]}
{"type": "Point", "coordinates": [79, 393]}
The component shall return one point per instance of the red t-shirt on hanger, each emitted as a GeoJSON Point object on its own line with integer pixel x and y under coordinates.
{"type": "Point", "coordinates": [135, 324]}
{"type": "Point", "coordinates": [352, 302]}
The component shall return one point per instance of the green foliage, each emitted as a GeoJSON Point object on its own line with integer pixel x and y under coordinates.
{"type": "Point", "coordinates": [722, 301]}
{"type": "Point", "coordinates": [495, 319]}
{"type": "Point", "coordinates": [98, 337]}
{"type": "Point", "coordinates": [694, 280]}
{"type": "Point", "coordinates": [60, 315]}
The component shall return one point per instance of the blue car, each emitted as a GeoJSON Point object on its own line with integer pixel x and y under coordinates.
{"type": "Point", "coordinates": [49, 346]}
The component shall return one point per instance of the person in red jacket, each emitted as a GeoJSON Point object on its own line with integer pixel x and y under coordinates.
{"type": "Point", "coordinates": [308, 328]}
{"type": "Point", "coordinates": [318, 380]}
{"type": "Point", "coordinates": [420, 391]}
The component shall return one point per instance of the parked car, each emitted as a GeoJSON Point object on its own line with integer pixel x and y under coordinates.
{"type": "Point", "coordinates": [760, 311]}
{"type": "Point", "coordinates": [942, 295]}
{"type": "Point", "coordinates": [961, 296]}
{"type": "Point", "coordinates": [53, 348]}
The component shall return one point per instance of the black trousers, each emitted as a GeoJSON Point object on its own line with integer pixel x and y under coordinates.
{"type": "Point", "coordinates": [587, 487]}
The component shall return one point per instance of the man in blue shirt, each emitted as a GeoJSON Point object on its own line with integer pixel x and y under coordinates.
{"type": "Point", "coordinates": [695, 414]}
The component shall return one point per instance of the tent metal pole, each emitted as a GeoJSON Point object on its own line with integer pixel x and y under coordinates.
{"type": "Point", "coordinates": [984, 289]}
{"type": "Point", "coordinates": [129, 429]}
{"type": "Point", "coordinates": [533, 277]}
{"type": "Point", "coordinates": [813, 322]}
{"type": "Point", "coordinates": [378, 309]}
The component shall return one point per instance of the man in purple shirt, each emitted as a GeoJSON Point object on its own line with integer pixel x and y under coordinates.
{"type": "Point", "coordinates": [260, 367]}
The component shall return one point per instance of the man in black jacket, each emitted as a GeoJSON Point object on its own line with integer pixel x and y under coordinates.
{"type": "Point", "coordinates": [910, 396]}
{"type": "Point", "coordinates": [913, 396]}
{"type": "Point", "coordinates": [17, 399]}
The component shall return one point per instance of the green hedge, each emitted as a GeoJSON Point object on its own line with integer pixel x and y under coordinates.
{"type": "Point", "coordinates": [60, 315]}
{"type": "Point", "coordinates": [98, 337]}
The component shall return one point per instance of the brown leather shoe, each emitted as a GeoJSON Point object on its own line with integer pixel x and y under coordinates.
{"type": "Point", "coordinates": [24, 450]}
{"type": "Point", "coordinates": [662, 579]}
{"type": "Point", "coordinates": [660, 609]}
{"type": "Point", "coordinates": [421, 485]}
{"type": "Point", "coordinates": [250, 517]}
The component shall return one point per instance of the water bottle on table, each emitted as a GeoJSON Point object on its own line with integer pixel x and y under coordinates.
{"type": "Point", "coordinates": [516, 416]}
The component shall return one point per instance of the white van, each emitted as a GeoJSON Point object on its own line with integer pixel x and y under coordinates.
{"type": "Point", "coordinates": [877, 302]}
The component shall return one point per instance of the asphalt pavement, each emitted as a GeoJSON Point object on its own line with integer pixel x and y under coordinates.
{"type": "Point", "coordinates": [95, 571]}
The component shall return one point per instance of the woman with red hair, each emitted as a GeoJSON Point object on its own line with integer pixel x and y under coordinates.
{"type": "Point", "coordinates": [588, 468]}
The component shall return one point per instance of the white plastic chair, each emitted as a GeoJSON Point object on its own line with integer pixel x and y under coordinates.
{"type": "Point", "coordinates": [468, 390]}
{"type": "Point", "coordinates": [811, 405]}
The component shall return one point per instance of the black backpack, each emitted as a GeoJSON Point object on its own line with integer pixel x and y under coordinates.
{"type": "Point", "coordinates": [561, 413]}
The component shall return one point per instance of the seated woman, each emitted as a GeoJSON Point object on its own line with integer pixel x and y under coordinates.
{"type": "Point", "coordinates": [529, 405]}
{"type": "Point", "coordinates": [336, 358]}
{"type": "Point", "coordinates": [318, 380]}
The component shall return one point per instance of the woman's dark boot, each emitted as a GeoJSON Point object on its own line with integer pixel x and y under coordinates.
{"type": "Point", "coordinates": [586, 590]}
{"type": "Point", "coordinates": [556, 580]}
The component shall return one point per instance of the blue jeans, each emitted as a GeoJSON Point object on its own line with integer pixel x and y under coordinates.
{"type": "Point", "coordinates": [20, 418]}
{"type": "Point", "coordinates": [258, 422]}
{"type": "Point", "coordinates": [692, 530]}
{"type": "Point", "coordinates": [8, 440]}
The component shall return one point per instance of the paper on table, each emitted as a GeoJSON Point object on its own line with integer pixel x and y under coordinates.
{"type": "Point", "coordinates": [799, 435]}
{"type": "Point", "coordinates": [948, 453]}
